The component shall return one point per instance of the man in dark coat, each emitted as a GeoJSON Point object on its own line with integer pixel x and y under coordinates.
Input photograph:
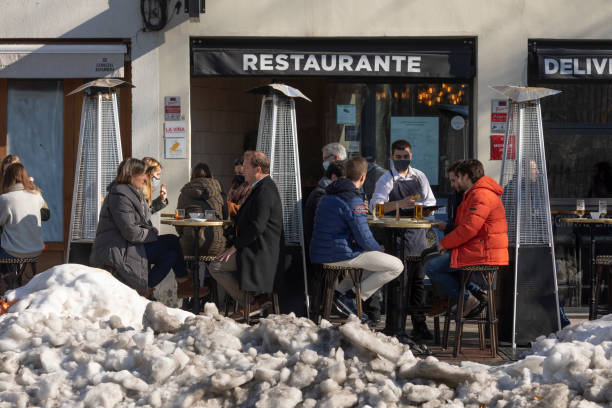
{"type": "Point", "coordinates": [252, 263]}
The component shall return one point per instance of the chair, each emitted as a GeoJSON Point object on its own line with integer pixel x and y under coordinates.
{"type": "Point", "coordinates": [13, 270]}
{"type": "Point", "coordinates": [330, 277]}
{"type": "Point", "coordinates": [214, 295]}
{"type": "Point", "coordinates": [248, 296]}
{"type": "Point", "coordinates": [603, 263]}
{"type": "Point", "coordinates": [487, 317]}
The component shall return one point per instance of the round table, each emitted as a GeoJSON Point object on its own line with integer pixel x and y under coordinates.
{"type": "Point", "coordinates": [591, 224]}
{"type": "Point", "coordinates": [398, 290]}
{"type": "Point", "coordinates": [196, 225]}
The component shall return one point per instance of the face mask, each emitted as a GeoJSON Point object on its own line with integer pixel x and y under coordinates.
{"type": "Point", "coordinates": [401, 165]}
{"type": "Point", "coordinates": [325, 165]}
{"type": "Point", "coordinates": [155, 182]}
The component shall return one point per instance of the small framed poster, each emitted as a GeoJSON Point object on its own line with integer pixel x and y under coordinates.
{"type": "Point", "coordinates": [176, 148]}
{"type": "Point", "coordinates": [346, 114]}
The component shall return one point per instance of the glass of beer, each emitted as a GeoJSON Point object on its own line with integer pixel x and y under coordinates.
{"type": "Point", "coordinates": [580, 207]}
{"type": "Point", "coordinates": [603, 208]}
{"type": "Point", "coordinates": [379, 210]}
{"type": "Point", "coordinates": [179, 214]}
{"type": "Point", "coordinates": [418, 211]}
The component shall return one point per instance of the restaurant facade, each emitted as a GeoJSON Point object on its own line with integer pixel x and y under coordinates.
{"type": "Point", "coordinates": [374, 72]}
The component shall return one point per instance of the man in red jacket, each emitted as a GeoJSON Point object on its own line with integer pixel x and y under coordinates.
{"type": "Point", "coordinates": [480, 236]}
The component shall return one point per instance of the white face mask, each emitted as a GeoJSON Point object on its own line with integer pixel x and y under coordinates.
{"type": "Point", "coordinates": [155, 182]}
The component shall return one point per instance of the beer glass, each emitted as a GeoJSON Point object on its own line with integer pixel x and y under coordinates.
{"type": "Point", "coordinates": [210, 214]}
{"type": "Point", "coordinates": [580, 208]}
{"type": "Point", "coordinates": [179, 214]}
{"type": "Point", "coordinates": [379, 210]}
{"type": "Point", "coordinates": [603, 208]}
{"type": "Point", "coordinates": [418, 211]}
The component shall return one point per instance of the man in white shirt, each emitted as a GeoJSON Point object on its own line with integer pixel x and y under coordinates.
{"type": "Point", "coordinates": [398, 187]}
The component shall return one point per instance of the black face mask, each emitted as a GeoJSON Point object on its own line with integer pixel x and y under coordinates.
{"type": "Point", "coordinates": [401, 165]}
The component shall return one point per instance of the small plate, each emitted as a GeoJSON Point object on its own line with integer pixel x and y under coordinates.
{"type": "Point", "coordinates": [196, 219]}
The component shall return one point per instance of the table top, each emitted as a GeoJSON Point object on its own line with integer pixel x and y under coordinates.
{"type": "Point", "coordinates": [407, 223]}
{"type": "Point", "coordinates": [606, 221]}
{"type": "Point", "coordinates": [190, 222]}
{"type": "Point", "coordinates": [567, 212]}
{"type": "Point", "coordinates": [165, 214]}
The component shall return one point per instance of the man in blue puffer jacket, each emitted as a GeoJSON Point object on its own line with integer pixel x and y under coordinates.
{"type": "Point", "coordinates": [342, 237]}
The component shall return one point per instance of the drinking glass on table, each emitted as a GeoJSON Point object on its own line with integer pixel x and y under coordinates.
{"type": "Point", "coordinates": [210, 214]}
{"type": "Point", "coordinates": [418, 210]}
{"type": "Point", "coordinates": [580, 208]}
{"type": "Point", "coordinates": [603, 208]}
{"type": "Point", "coordinates": [379, 210]}
{"type": "Point", "coordinates": [179, 214]}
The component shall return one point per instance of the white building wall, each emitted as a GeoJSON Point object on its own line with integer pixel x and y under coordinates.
{"type": "Point", "coordinates": [160, 60]}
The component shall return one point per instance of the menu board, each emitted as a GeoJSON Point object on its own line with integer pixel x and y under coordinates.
{"type": "Point", "coordinates": [423, 134]}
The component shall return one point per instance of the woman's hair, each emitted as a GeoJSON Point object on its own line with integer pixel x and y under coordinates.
{"type": "Point", "coordinates": [201, 170]}
{"type": "Point", "coordinates": [129, 168]}
{"type": "Point", "coordinates": [7, 161]}
{"type": "Point", "coordinates": [151, 166]}
{"type": "Point", "coordinates": [16, 173]}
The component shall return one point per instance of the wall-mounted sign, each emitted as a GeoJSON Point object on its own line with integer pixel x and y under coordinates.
{"type": "Point", "coordinates": [175, 129]}
{"type": "Point", "coordinates": [172, 108]}
{"type": "Point", "coordinates": [346, 114]}
{"type": "Point", "coordinates": [499, 115]}
{"type": "Point", "coordinates": [497, 147]}
{"type": "Point", "coordinates": [270, 57]}
{"type": "Point", "coordinates": [556, 60]}
{"type": "Point", "coordinates": [175, 148]}
{"type": "Point", "coordinates": [457, 122]}
{"type": "Point", "coordinates": [423, 133]}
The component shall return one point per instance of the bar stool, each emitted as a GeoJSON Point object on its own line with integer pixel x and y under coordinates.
{"type": "Point", "coordinates": [604, 263]}
{"type": "Point", "coordinates": [214, 295]}
{"type": "Point", "coordinates": [487, 317]}
{"type": "Point", "coordinates": [13, 271]}
{"type": "Point", "coordinates": [330, 276]}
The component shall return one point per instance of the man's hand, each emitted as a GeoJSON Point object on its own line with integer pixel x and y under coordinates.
{"type": "Point", "coordinates": [163, 194]}
{"type": "Point", "coordinates": [441, 249]}
{"type": "Point", "coordinates": [225, 255]}
{"type": "Point", "coordinates": [407, 202]}
{"type": "Point", "coordinates": [441, 225]}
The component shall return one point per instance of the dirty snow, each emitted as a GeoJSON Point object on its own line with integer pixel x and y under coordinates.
{"type": "Point", "coordinates": [78, 337]}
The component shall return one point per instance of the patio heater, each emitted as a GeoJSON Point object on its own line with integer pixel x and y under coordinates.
{"type": "Point", "coordinates": [98, 156]}
{"type": "Point", "coordinates": [277, 138]}
{"type": "Point", "coordinates": [535, 306]}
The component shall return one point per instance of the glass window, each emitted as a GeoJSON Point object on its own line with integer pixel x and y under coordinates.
{"type": "Point", "coordinates": [365, 117]}
{"type": "Point", "coordinates": [35, 133]}
{"type": "Point", "coordinates": [578, 140]}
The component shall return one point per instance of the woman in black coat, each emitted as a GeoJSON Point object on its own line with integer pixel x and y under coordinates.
{"type": "Point", "coordinates": [126, 242]}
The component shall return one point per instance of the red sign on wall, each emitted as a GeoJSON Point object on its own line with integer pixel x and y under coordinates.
{"type": "Point", "coordinates": [497, 147]}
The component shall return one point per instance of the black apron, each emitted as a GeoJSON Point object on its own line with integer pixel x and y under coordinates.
{"type": "Point", "coordinates": [415, 239]}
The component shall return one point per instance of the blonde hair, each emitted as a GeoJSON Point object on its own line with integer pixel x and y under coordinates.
{"type": "Point", "coordinates": [151, 166]}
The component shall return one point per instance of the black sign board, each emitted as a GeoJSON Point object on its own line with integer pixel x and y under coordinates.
{"type": "Point", "coordinates": [336, 58]}
{"type": "Point", "coordinates": [572, 61]}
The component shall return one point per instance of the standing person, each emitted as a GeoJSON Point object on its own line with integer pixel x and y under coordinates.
{"type": "Point", "coordinates": [20, 207]}
{"type": "Point", "coordinates": [438, 267]}
{"type": "Point", "coordinates": [126, 242]}
{"type": "Point", "coordinates": [342, 237]}
{"type": "Point", "coordinates": [239, 190]}
{"type": "Point", "coordinates": [398, 187]}
{"type": "Point", "coordinates": [254, 260]}
{"type": "Point", "coordinates": [152, 183]}
{"type": "Point", "coordinates": [202, 193]}
{"type": "Point", "coordinates": [480, 236]}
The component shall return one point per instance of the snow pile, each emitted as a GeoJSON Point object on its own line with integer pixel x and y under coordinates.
{"type": "Point", "coordinates": [80, 338]}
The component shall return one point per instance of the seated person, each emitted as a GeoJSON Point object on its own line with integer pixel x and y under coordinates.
{"type": "Point", "coordinates": [20, 207]}
{"type": "Point", "coordinates": [255, 259]}
{"type": "Point", "coordinates": [239, 190]}
{"type": "Point", "coordinates": [201, 194]}
{"type": "Point", "coordinates": [152, 183]}
{"type": "Point", "coordinates": [126, 242]}
{"type": "Point", "coordinates": [438, 267]}
{"type": "Point", "coordinates": [342, 237]}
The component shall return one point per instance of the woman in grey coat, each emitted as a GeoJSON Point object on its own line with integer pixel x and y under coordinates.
{"type": "Point", "coordinates": [126, 241]}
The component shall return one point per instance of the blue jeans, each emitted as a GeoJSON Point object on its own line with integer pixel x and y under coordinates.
{"type": "Point", "coordinates": [165, 254]}
{"type": "Point", "coordinates": [438, 270]}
